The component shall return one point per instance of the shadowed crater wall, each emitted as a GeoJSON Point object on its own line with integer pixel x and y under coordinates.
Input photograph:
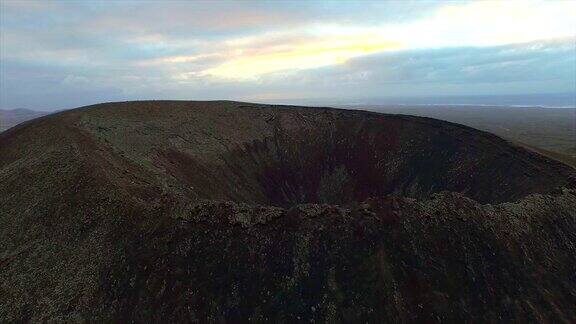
{"type": "Point", "coordinates": [342, 157]}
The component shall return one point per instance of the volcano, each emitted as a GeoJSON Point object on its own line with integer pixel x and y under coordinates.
{"type": "Point", "coordinates": [180, 211]}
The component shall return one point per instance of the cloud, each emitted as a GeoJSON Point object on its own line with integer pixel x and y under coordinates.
{"type": "Point", "coordinates": [61, 53]}
{"type": "Point", "coordinates": [253, 58]}
{"type": "Point", "coordinates": [534, 67]}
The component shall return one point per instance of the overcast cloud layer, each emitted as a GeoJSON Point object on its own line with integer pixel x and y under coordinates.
{"type": "Point", "coordinates": [64, 54]}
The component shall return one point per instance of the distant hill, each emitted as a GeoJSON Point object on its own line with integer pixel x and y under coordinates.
{"type": "Point", "coordinates": [550, 131]}
{"type": "Point", "coordinates": [11, 118]}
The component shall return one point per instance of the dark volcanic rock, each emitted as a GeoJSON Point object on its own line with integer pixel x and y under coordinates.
{"type": "Point", "coordinates": [222, 211]}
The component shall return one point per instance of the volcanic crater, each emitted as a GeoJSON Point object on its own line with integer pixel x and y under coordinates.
{"type": "Point", "coordinates": [228, 211]}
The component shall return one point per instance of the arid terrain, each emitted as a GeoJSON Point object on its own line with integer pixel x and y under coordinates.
{"type": "Point", "coordinates": [180, 211]}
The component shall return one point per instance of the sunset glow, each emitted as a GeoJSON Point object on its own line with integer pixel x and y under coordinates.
{"type": "Point", "coordinates": [296, 57]}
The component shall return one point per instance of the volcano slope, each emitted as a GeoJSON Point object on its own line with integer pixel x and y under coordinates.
{"type": "Point", "coordinates": [171, 211]}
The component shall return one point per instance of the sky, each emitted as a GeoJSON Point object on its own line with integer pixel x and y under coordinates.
{"type": "Point", "coordinates": [63, 54]}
